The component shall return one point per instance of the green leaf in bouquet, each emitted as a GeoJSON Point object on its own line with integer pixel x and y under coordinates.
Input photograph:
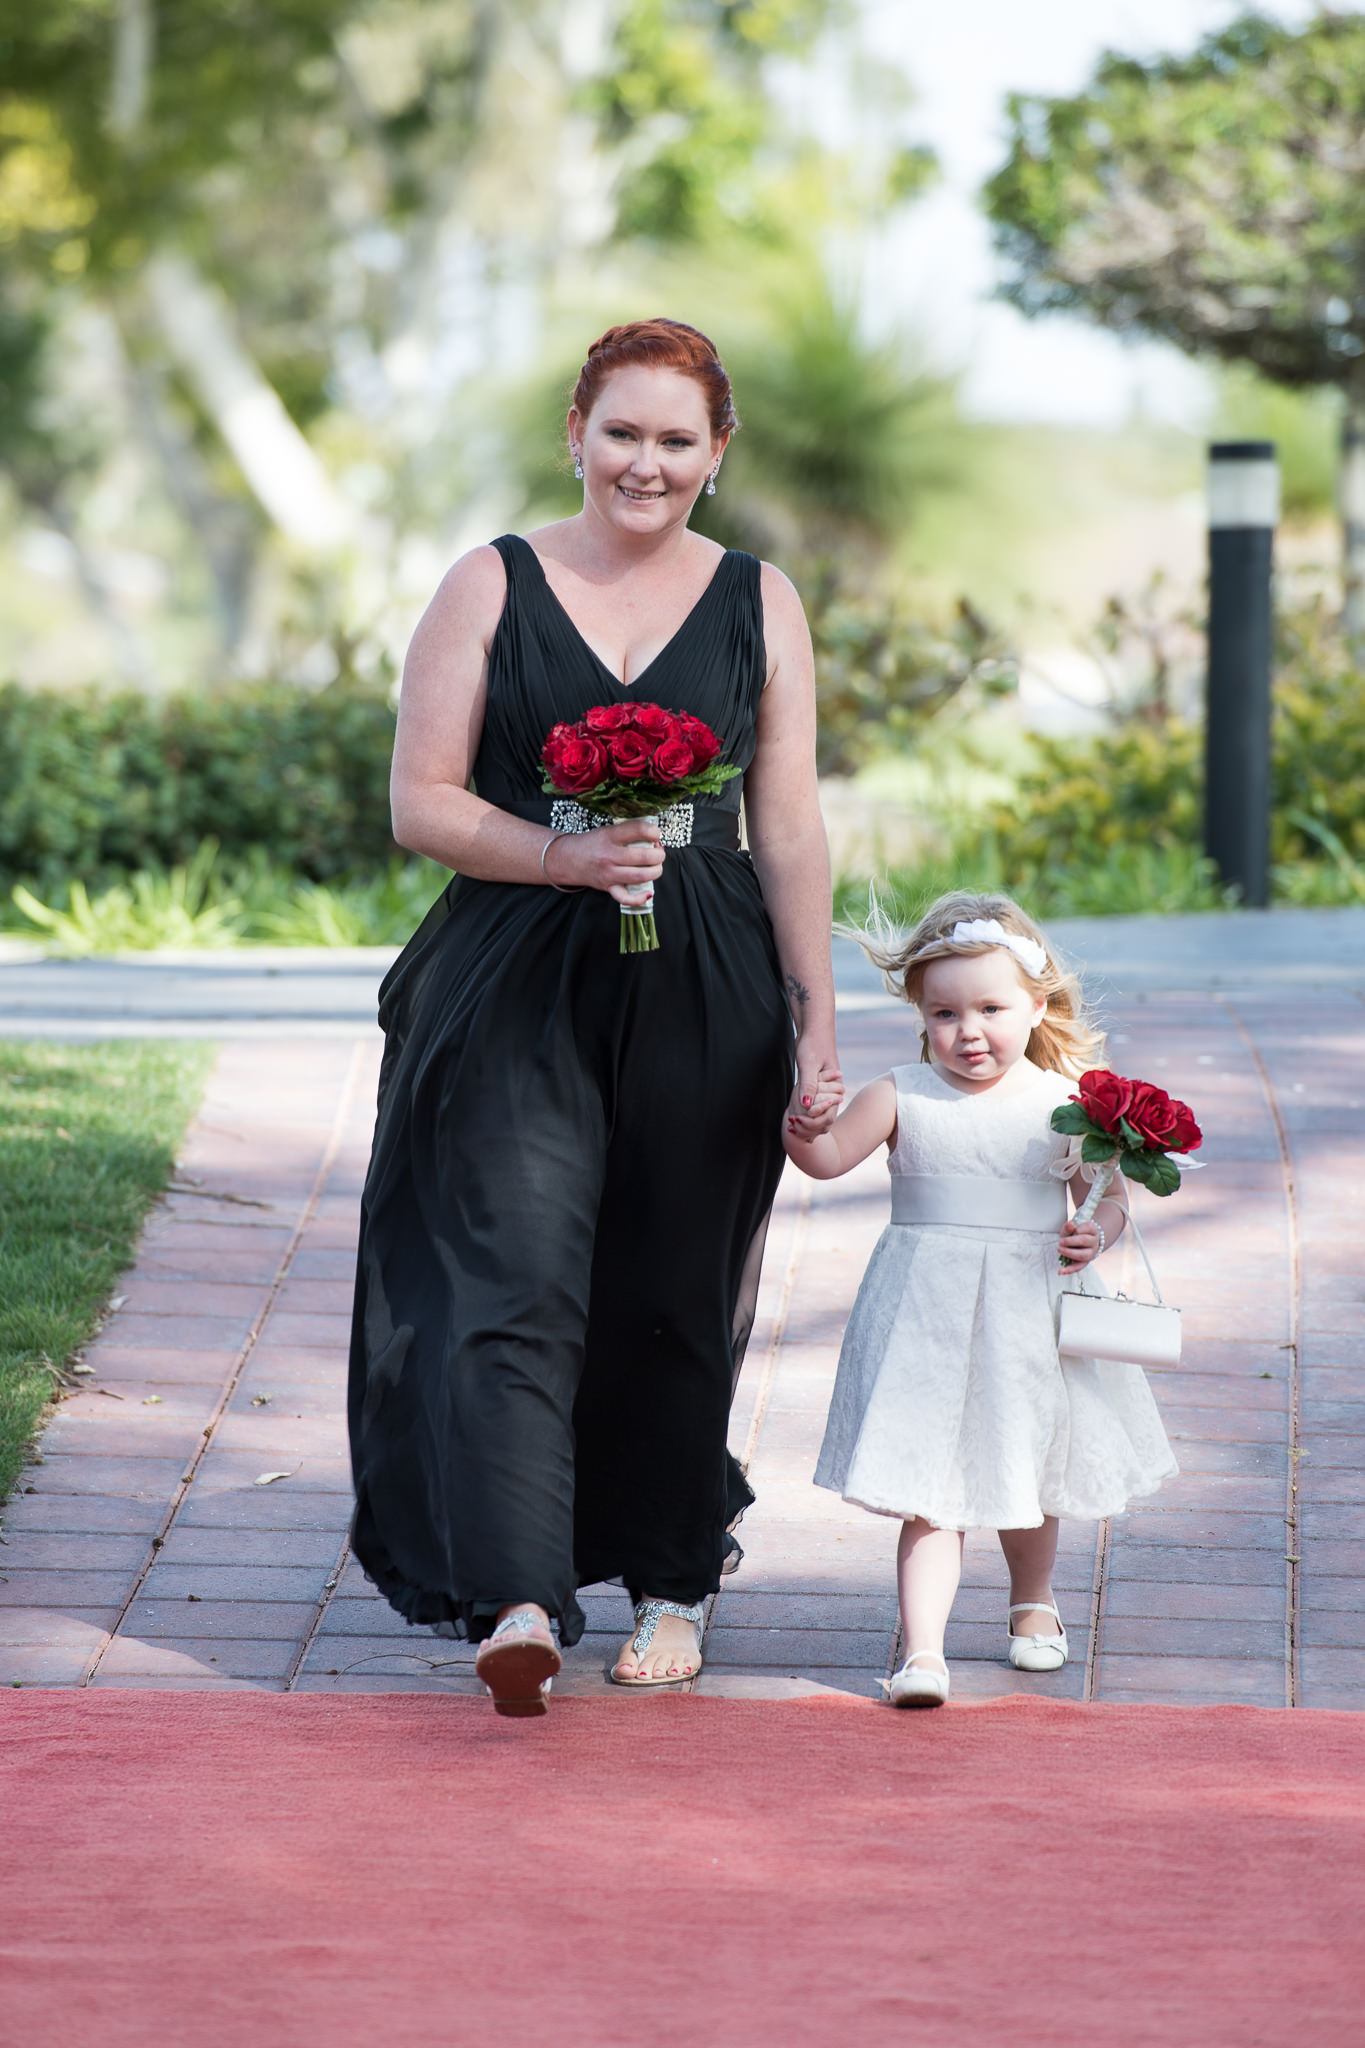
{"type": "Point", "coordinates": [1130, 1137]}
{"type": "Point", "coordinates": [1097, 1149]}
{"type": "Point", "coordinates": [1071, 1120]}
{"type": "Point", "coordinates": [1154, 1170]}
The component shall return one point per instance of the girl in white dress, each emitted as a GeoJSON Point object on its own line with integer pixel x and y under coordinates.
{"type": "Point", "coordinates": [952, 1409]}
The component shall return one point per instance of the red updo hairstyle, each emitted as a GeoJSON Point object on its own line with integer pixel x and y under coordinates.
{"type": "Point", "coordinates": [659, 345]}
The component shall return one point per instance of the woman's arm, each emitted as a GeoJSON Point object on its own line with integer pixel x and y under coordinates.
{"type": "Point", "coordinates": [440, 722]}
{"type": "Point", "coordinates": [787, 840]}
{"type": "Point", "coordinates": [869, 1121]}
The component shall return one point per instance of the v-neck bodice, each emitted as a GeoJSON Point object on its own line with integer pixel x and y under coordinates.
{"type": "Point", "coordinates": [634, 686]}
{"type": "Point", "coordinates": [542, 670]}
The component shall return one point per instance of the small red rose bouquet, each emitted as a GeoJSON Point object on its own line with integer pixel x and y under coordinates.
{"type": "Point", "coordinates": [1130, 1127]}
{"type": "Point", "coordinates": [623, 761]}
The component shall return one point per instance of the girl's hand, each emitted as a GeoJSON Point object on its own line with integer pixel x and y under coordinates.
{"type": "Point", "coordinates": [1078, 1245]}
{"type": "Point", "coordinates": [619, 859]}
{"type": "Point", "coordinates": [818, 1095]}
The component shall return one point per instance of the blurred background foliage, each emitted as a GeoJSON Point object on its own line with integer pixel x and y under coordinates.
{"type": "Point", "coordinates": [292, 293]}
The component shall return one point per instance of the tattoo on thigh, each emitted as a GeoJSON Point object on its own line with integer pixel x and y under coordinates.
{"type": "Point", "coordinates": [797, 990]}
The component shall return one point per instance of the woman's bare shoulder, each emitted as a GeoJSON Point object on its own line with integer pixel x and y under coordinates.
{"type": "Point", "coordinates": [781, 599]}
{"type": "Point", "coordinates": [470, 596]}
{"type": "Point", "coordinates": [786, 634]}
{"type": "Point", "coordinates": [784, 615]}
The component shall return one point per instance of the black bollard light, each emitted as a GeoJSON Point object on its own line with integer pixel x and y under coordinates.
{"type": "Point", "coordinates": [1244, 509]}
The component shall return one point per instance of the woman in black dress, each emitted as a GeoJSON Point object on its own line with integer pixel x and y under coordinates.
{"type": "Point", "coordinates": [576, 1150]}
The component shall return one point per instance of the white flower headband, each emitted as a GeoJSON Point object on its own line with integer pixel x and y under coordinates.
{"type": "Point", "coordinates": [988, 931]}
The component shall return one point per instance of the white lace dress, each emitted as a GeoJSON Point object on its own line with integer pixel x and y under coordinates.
{"type": "Point", "coordinates": [951, 1401]}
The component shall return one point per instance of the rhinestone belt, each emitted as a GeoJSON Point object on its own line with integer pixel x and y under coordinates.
{"type": "Point", "coordinates": [685, 824]}
{"type": "Point", "coordinates": [675, 824]}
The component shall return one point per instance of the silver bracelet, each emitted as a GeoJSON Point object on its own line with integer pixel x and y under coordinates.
{"type": "Point", "coordinates": [564, 888]}
{"type": "Point", "coordinates": [1103, 1239]}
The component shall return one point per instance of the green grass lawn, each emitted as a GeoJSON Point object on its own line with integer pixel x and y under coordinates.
{"type": "Point", "coordinates": [88, 1138]}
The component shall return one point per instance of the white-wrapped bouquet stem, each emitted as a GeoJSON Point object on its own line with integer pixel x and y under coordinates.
{"type": "Point", "coordinates": [1104, 1175]}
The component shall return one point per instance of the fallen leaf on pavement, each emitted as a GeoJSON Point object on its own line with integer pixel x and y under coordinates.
{"type": "Point", "coordinates": [269, 1478]}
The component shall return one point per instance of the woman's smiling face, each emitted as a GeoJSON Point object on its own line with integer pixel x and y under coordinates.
{"type": "Point", "coordinates": [977, 1014]}
{"type": "Point", "coordinates": [646, 448]}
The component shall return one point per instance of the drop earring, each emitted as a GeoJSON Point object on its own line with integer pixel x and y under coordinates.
{"type": "Point", "coordinates": [711, 482]}
{"type": "Point", "coordinates": [578, 465]}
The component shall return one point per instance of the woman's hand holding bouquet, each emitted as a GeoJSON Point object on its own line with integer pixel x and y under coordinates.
{"type": "Point", "coordinates": [620, 860]}
{"type": "Point", "coordinates": [624, 765]}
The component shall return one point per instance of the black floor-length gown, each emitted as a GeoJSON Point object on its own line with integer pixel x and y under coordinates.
{"type": "Point", "coordinates": [574, 1159]}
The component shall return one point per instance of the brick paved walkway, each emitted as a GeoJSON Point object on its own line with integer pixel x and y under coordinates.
{"type": "Point", "coordinates": [146, 1547]}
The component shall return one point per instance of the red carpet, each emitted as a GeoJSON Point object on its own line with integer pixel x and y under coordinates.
{"type": "Point", "coordinates": [408, 1872]}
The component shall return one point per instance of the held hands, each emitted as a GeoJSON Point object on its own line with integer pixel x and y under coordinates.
{"type": "Point", "coordinates": [1078, 1245]}
{"type": "Point", "coordinates": [620, 859]}
{"type": "Point", "coordinates": [818, 1095]}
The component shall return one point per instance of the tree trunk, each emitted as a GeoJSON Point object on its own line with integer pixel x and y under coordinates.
{"type": "Point", "coordinates": [286, 476]}
{"type": "Point", "coordinates": [1352, 498]}
{"type": "Point", "coordinates": [222, 527]}
{"type": "Point", "coordinates": [133, 658]}
{"type": "Point", "coordinates": [130, 79]}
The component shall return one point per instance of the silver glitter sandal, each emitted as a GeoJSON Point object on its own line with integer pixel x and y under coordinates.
{"type": "Point", "coordinates": [648, 1615]}
{"type": "Point", "coordinates": [517, 1663]}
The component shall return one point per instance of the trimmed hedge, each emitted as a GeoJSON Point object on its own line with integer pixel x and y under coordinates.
{"type": "Point", "coordinates": [94, 784]}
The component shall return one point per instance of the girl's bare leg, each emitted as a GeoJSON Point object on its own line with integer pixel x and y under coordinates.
{"type": "Point", "coordinates": [928, 1567]}
{"type": "Point", "coordinates": [1030, 1555]}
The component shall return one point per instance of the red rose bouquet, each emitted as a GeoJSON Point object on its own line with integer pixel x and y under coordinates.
{"type": "Point", "coordinates": [1130, 1127]}
{"type": "Point", "coordinates": [623, 761]}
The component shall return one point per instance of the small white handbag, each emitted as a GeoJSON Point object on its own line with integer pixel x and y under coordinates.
{"type": "Point", "coordinates": [1112, 1326]}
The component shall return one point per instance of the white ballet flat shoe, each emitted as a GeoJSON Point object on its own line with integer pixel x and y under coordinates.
{"type": "Point", "coordinates": [919, 1688]}
{"type": "Point", "coordinates": [1036, 1653]}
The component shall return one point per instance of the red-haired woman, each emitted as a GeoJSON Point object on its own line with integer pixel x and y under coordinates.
{"type": "Point", "coordinates": [576, 1150]}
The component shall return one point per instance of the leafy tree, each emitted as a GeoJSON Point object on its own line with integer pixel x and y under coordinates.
{"type": "Point", "coordinates": [309, 226]}
{"type": "Point", "coordinates": [841, 437]}
{"type": "Point", "coordinates": [1216, 201]}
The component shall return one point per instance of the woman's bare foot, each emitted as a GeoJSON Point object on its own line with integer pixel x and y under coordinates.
{"type": "Point", "coordinates": [672, 1653]}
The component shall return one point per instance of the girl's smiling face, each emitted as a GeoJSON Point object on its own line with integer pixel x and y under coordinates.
{"type": "Point", "coordinates": [978, 1013]}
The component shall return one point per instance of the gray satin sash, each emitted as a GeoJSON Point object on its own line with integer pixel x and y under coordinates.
{"type": "Point", "coordinates": [978, 1201]}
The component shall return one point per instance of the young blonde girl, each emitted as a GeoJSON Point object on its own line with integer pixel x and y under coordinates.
{"type": "Point", "coordinates": [952, 1409]}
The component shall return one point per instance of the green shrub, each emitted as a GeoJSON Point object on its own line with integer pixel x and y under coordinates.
{"type": "Point", "coordinates": [1082, 799]}
{"type": "Point", "coordinates": [1112, 882]}
{"type": "Point", "coordinates": [209, 903]}
{"type": "Point", "coordinates": [880, 674]}
{"type": "Point", "coordinates": [1143, 786]}
{"type": "Point", "coordinates": [1115, 822]}
{"type": "Point", "coordinates": [94, 784]}
{"type": "Point", "coordinates": [1319, 742]}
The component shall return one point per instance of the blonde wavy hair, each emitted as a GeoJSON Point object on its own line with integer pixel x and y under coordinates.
{"type": "Point", "coordinates": [1065, 1041]}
